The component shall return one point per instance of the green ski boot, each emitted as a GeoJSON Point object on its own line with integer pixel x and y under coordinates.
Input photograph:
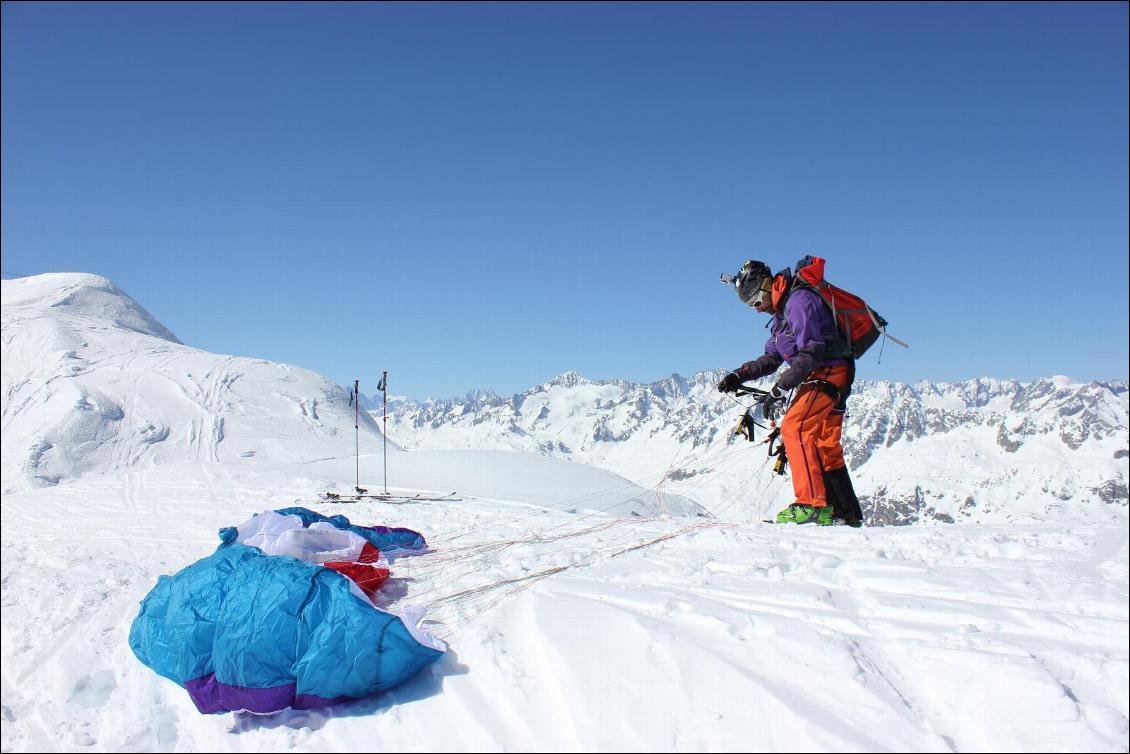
{"type": "Point", "coordinates": [799, 513]}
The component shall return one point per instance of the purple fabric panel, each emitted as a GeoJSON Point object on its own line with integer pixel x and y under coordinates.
{"type": "Point", "coordinates": [420, 543]}
{"type": "Point", "coordinates": [393, 530]}
{"type": "Point", "coordinates": [211, 696]}
{"type": "Point", "coordinates": [311, 701]}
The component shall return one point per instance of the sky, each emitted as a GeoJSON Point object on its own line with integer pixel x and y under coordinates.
{"type": "Point", "coordinates": [483, 196]}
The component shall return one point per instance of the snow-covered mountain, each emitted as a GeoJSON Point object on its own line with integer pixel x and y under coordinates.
{"type": "Point", "coordinates": [92, 382]}
{"type": "Point", "coordinates": [94, 385]}
{"type": "Point", "coordinates": [983, 450]}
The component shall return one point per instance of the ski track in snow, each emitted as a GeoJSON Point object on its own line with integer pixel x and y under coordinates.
{"type": "Point", "coordinates": [731, 636]}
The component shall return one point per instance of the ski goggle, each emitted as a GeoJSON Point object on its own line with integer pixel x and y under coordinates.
{"type": "Point", "coordinates": [761, 295]}
{"type": "Point", "coordinates": [760, 300]}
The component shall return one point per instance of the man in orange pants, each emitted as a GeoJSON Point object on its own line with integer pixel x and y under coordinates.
{"type": "Point", "coordinates": [821, 370]}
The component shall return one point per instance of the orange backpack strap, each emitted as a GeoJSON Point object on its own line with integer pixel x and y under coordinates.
{"type": "Point", "coordinates": [781, 285]}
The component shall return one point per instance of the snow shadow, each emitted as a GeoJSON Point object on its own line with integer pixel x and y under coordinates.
{"type": "Point", "coordinates": [428, 683]}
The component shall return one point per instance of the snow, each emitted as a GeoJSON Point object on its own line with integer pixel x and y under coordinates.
{"type": "Point", "coordinates": [594, 629]}
{"type": "Point", "coordinates": [91, 382]}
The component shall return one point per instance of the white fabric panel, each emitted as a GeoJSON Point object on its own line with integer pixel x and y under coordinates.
{"type": "Point", "coordinates": [275, 534]}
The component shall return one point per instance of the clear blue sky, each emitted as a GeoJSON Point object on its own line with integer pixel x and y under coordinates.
{"type": "Point", "coordinates": [484, 196]}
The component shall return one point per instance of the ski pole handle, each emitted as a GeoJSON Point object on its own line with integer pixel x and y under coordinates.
{"type": "Point", "coordinates": [746, 390]}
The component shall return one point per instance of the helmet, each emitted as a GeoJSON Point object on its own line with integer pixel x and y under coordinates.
{"type": "Point", "coordinates": [754, 279]}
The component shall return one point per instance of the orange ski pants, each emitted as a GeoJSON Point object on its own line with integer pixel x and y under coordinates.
{"type": "Point", "coordinates": [811, 433]}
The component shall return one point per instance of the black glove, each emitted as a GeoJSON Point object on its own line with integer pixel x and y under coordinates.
{"type": "Point", "coordinates": [773, 404]}
{"type": "Point", "coordinates": [729, 383]}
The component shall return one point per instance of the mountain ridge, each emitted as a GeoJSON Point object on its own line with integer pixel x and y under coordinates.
{"type": "Point", "coordinates": [1082, 426]}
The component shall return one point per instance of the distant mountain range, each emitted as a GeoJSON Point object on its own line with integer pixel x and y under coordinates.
{"type": "Point", "coordinates": [983, 450]}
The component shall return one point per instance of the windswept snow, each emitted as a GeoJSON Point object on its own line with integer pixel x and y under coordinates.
{"type": "Point", "coordinates": [728, 636]}
{"type": "Point", "coordinates": [91, 382]}
{"type": "Point", "coordinates": [582, 612]}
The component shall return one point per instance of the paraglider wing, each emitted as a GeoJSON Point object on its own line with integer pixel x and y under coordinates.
{"type": "Point", "coordinates": [245, 629]}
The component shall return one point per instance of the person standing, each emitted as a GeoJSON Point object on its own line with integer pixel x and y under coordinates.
{"type": "Point", "coordinates": [821, 370]}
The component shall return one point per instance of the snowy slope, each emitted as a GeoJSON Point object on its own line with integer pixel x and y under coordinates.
{"type": "Point", "coordinates": [726, 636]}
{"type": "Point", "coordinates": [984, 450]}
{"type": "Point", "coordinates": [92, 382]}
{"type": "Point", "coordinates": [579, 614]}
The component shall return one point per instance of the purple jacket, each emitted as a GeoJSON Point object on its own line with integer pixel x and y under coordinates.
{"type": "Point", "coordinates": [798, 337]}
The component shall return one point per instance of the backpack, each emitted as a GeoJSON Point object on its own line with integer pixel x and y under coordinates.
{"type": "Point", "coordinates": [858, 323]}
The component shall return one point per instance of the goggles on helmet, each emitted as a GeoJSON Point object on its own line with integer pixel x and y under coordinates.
{"type": "Point", "coordinates": [754, 283]}
{"type": "Point", "coordinates": [763, 295]}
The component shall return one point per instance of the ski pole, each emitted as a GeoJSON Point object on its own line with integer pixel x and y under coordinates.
{"type": "Point", "coordinates": [357, 435]}
{"type": "Point", "coordinates": [384, 425]}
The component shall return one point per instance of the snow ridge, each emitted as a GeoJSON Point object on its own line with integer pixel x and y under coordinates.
{"type": "Point", "coordinates": [93, 383]}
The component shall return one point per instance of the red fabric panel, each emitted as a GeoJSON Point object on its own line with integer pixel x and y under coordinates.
{"type": "Point", "coordinates": [368, 577]}
{"type": "Point", "coordinates": [369, 554]}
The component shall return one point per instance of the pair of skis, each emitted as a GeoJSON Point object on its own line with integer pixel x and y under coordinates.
{"type": "Point", "coordinates": [382, 497]}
